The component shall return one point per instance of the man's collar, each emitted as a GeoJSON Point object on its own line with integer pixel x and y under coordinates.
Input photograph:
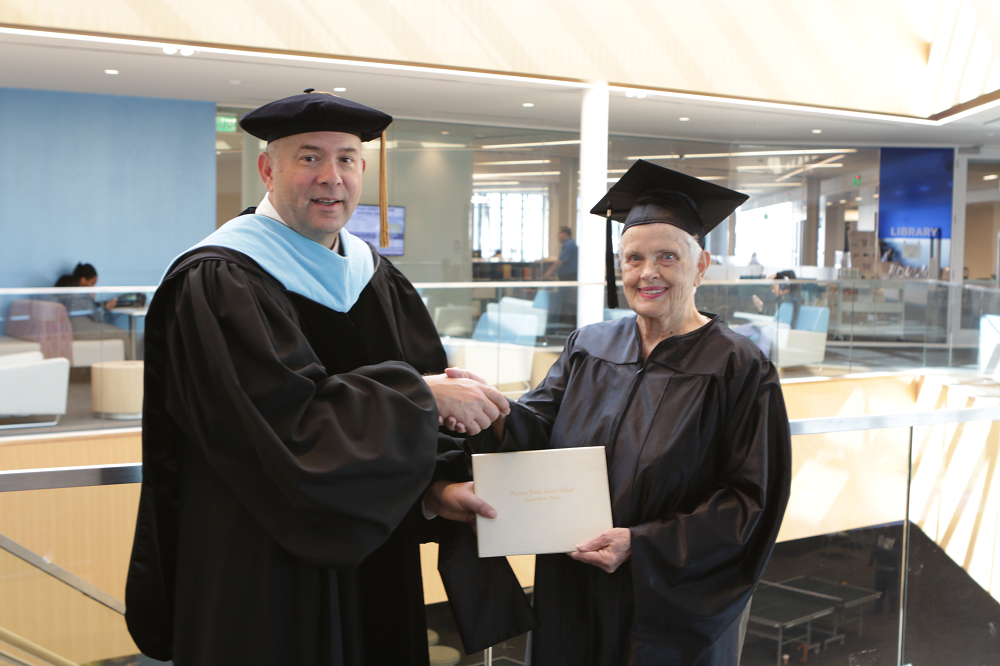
{"type": "Point", "coordinates": [267, 209]}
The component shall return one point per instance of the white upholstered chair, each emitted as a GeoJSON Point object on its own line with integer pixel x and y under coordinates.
{"type": "Point", "coordinates": [31, 385]}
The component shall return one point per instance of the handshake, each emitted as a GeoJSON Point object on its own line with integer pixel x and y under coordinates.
{"type": "Point", "coordinates": [466, 402]}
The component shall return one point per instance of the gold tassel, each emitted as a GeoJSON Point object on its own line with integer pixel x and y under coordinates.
{"type": "Point", "coordinates": [383, 198]}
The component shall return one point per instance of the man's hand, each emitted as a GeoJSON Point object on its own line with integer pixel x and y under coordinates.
{"type": "Point", "coordinates": [466, 403]}
{"type": "Point", "coordinates": [456, 501]}
{"type": "Point", "coordinates": [461, 373]}
{"type": "Point", "coordinates": [607, 551]}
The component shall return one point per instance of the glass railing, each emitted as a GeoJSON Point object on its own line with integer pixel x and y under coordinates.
{"type": "Point", "coordinates": [888, 549]}
{"type": "Point", "coordinates": [887, 554]}
{"type": "Point", "coordinates": [64, 550]}
{"type": "Point", "coordinates": [70, 359]}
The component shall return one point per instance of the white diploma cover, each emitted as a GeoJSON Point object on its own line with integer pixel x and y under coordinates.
{"type": "Point", "coordinates": [547, 501]}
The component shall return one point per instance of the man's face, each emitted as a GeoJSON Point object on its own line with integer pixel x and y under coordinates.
{"type": "Point", "coordinates": [563, 236]}
{"type": "Point", "coordinates": [314, 181]}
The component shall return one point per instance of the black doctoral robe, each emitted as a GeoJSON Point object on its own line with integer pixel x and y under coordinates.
{"type": "Point", "coordinates": [285, 448]}
{"type": "Point", "coordinates": [699, 464]}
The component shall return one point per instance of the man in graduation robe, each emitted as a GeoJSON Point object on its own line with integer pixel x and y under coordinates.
{"type": "Point", "coordinates": [288, 432]}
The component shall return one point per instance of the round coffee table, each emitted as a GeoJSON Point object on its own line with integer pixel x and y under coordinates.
{"type": "Point", "coordinates": [116, 389]}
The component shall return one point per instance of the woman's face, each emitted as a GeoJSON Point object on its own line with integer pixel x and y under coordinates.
{"type": "Point", "coordinates": [661, 267]}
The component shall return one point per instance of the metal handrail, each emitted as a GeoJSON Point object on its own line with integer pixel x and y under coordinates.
{"type": "Point", "coordinates": [819, 426]}
{"type": "Point", "coordinates": [28, 291]}
{"type": "Point", "coordinates": [106, 475]}
{"type": "Point", "coordinates": [36, 651]}
{"type": "Point", "coordinates": [500, 284]}
{"type": "Point", "coordinates": [56, 571]}
{"type": "Point", "coordinates": [70, 477]}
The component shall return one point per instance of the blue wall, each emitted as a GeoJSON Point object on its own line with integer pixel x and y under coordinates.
{"type": "Point", "coordinates": [124, 183]}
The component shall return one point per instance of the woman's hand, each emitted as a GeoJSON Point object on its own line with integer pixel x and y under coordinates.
{"type": "Point", "coordinates": [607, 551]}
{"type": "Point", "coordinates": [757, 302]}
{"type": "Point", "coordinates": [456, 501]}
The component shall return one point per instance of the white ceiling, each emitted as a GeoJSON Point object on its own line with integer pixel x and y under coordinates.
{"type": "Point", "coordinates": [244, 79]}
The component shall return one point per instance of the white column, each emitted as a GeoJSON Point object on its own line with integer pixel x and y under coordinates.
{"type": "Point", "coordinates": [957, 260]}
{"type": "Point", "coordinates": [959, 186]}
{"type": "Point", "coordinates": [590, 229]}
{"type": "Point", "coordinates": [253, 188]}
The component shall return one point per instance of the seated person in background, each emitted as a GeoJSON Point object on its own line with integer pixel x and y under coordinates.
{"type": "Point", "coordinates": [86, 276]}
{"type": "Point", "coordinates": [86, 316]}
{"type": "Point", "coordinates": [783, 292]}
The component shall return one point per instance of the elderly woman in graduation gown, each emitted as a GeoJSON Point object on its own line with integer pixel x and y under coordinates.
{"type": "Point", "coordinates": [698, 451]}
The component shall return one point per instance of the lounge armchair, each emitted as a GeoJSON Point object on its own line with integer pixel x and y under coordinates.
{"type": "Point", "coordinates": [501, 350]}
{"type": "Point", "coordinates": [805, 343]}
{"type": "Point", "coordinates": [47, 324]}
{"type": "Point", "coordinates": [31, 385]}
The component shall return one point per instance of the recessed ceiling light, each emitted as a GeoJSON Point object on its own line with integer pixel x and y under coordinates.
{"type": "Point", "coordinates": [518, 174]}
{"type": "Point", "coordinates": [684, 120]}
{"type": "Point", "coordinates": [445, 132]}
{"type": "Point", "coordinates": [843, 201]}
{"type": "Point", "coordinates": [187, 50]}
{"type": "Point", "coordinates": [518, 162]}
{"type": "Point", "coordinates": [630, 93]}
{"type": "Point", "coordinates": [875, 195]}
{"type": "Point", "coordinates": [817, 131]}
{"type": "Point", "coordinates": [111, 71]}
{"type": "Point", "coordinates": [340, 90]}
{"type": "Point", "coordinates": [640, 95]}
{"type": "Point", "coordinates": [571, 142]}
{"type": "Point", "coordinates": [858, 198]}
{"type": "Point", "coordinates": [170, 50]}
{"type": "Point", "coordinates": [829, 203]}
{"type": "Point", "coordinates": [750, 153]}
{"type": "Point", "coordinates": [234, 82]}
{"type": "Point", "coordinates": [527, 105]}
{"type": "Point", "coordinates": [991, 176]}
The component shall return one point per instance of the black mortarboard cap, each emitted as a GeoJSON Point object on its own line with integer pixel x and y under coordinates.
{"type": "Point", "coordinates": [314, 111]}
{"type": "Point", "coordinates": [317, 111]}
{"type": "Point", "coordinates": [649, 193]}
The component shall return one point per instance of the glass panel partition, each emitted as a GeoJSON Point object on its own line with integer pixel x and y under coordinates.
{"type": "Point", "coordinates": [887, 554]}
{"type": "Point", "coordinates": [830, 592]}
{"type": "Point", "coordinates": [71, 358]}
{"type": "Point", "coordinates": [43, 621]}
{"type": "Point", "coordinates": [512, 331]}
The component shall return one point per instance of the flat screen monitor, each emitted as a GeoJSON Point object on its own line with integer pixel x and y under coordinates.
{"type": "Point", "coordinates": [364, 225]}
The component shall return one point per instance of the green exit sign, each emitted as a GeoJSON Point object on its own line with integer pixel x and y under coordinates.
{"type": "Point", "coordinates": [225, 124]}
